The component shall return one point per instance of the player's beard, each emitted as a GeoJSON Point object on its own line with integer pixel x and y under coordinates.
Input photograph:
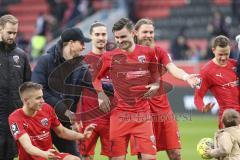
{"type": "Point", "coordinates": [146, 42]}
{"type": "Point", "coordinates": [8, 41]}
{"type": "Point", "coordinates": [125, 45]}
{"type": "Point", "coordinates": [100, 46]}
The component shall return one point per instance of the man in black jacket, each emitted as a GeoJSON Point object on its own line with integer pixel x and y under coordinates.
{"type": "Point", "coordinates": [62, 73]}
{"type": "Point", "coordinates": [14, 70]}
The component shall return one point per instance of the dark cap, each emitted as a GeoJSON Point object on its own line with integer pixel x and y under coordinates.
{"type": "Point", "coordinates": [74, 34]}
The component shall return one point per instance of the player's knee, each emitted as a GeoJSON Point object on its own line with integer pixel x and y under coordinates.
{"type": "Point", "coordinates": [174, 154]}
{"type": "Point", "coordinates": [148, 157]}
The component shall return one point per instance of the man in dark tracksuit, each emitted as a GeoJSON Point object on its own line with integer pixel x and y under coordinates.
{"type": "Point", "coordinates": [14, 70]}
{"type": "Point", "coordinates": [61, 71]}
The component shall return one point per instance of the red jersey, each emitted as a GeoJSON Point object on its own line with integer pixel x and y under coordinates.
{"type": "Point", "coordinates": [161, 101]}
{"type": "Point", "coordinates": [37, 127]}
{"type": "Point", "coordinates": [130, 72]}
{"type": "Point", "coordinates": [223, 84]}
{"type": "Point", "coordinates": [89, 99]}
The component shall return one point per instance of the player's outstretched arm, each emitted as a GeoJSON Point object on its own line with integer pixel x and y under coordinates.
{"type": "Point", "coordinates": [68, 134]}
{"type": "Point", "coordinates": [178, 73]}
{"type": "Point", "coordinates": [32, 150]}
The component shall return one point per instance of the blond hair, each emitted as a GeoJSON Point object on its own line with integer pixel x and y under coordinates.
{"type": "Point", "coordinates": [8, 19]}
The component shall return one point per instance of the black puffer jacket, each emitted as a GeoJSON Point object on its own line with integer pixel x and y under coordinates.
{"type": "Point", "coordinates": [66, 86]}
{"type": "Point", "coordinates": [14, 70]}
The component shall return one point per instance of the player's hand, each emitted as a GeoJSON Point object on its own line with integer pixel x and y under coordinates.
{"type": "Point", "coordinates": [193, 80]}
{"type": "Point", "coordinates": [208, 107]}
{"type": "Point", "coordinates": [76, 126]}
{"type": "Point", "coordinates": [51, 154]}
{"type": "Point", "coordinates": [153, 89]}
{"type": "Point", "coordinates": [208, 152]}
{"type": "Point", "coordinates": [104, 102]}
{"type": "Point", "coordinates": [88, 130]}
{"type": "Point", "coordinates": [71, 116]}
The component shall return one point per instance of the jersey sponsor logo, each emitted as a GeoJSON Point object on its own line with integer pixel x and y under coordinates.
{"type": "Point", "coordinates": [231, 84]}
{"type": "Point", "coordinates": [142, 59]}
{"type": "Point", "coordinates": [219, 75]}
{"type": "Point", "coordinates": [14, 128]}
{"type": "Point", "coordinates": [44, 122]}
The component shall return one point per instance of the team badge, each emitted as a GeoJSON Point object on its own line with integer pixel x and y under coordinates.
{"type": "Point", "coordinates": [44, 122]}
{"type": "Point", "coordinates": [142, 59]}
{"type": "Point", "coordinates": [15, 129]}
{"type": "Point", "coordinates": [16, 59]}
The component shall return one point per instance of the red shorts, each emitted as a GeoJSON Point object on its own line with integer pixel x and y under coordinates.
{"type": "Point", "coordinates": [166, 132]}
{"type": "Point", "coordinates": [87, 146]}
{"type": "Point", "coordinates": [122, 128]}
{"type": "Point", "coordinates": [167, 135]}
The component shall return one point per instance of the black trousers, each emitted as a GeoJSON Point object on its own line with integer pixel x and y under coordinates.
{"type": "Point", "coordinates": [8, 147]}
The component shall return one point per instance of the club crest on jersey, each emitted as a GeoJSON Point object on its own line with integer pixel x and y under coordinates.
{"type": "Point", "coordinates": [44, 122]}
{"type": "Point", "coordinates": [15, 129]}
{"type": "Point", "coordinates": [16, 59]}
{"type": "Point", "coordinates": [142, 59]}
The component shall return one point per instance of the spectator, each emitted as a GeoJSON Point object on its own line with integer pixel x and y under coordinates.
{"type": "Point", "coordinates": [180, 49]}
{"type": "Point", "coordinates": [218, 25]}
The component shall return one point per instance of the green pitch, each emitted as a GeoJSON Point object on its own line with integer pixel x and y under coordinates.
{"type": "Point", "coordinates": [191, 131]}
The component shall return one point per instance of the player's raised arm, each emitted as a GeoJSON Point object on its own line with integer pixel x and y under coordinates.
{"type": "Point", "coordinates": [179, 73]}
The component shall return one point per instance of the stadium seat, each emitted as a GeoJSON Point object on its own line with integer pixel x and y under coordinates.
{"type": "Point", "coordinates": [222, 2]}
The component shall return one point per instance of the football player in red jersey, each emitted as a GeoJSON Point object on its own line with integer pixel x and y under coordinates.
{"type": "Point", "coordinates": [219, 76]}
{"type": "Point", "coordinates": [31, 124]}
{"type": "Point", "coordinates": [89, 101]}
{"type": "Point", "coordinates": [134, 74]}
{"type": "Point", "coordinates": [166, 130]}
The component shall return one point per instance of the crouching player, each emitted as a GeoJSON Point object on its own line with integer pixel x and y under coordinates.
{"type": "Point", "coordinates": [31, 124]}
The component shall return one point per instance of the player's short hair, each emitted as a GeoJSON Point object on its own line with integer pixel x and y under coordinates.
{"type": "Point", "coordinates": [96, 24]}
{"type": "Point", "coordinates": [123, 22]}
{"type": "Point", "coordinates": [230, 118]}
{"type": "Point", "coordinates": [142, 21]}
{"type": "Point", "coordinates": [221, 41]}
{"type": "Point", "coordinates": [8, 19]}
{"type": "Point", "coordinates": [29, 86]}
